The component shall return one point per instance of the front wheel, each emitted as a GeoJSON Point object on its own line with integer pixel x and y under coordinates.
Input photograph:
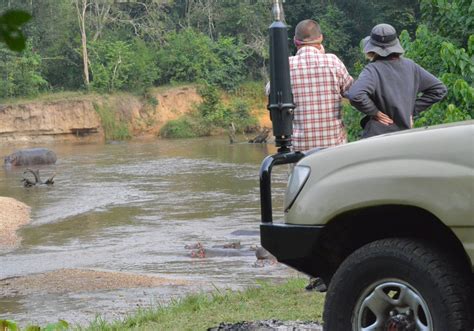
{"type": "Point", "coordinates": [398, 284]}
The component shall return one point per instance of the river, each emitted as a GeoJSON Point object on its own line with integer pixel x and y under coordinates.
{"type": "Point", "coordinates": [131, 208]}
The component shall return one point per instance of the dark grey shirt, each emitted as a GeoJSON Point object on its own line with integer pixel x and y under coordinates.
{"type": "Point", "coordinates": [393, 86]}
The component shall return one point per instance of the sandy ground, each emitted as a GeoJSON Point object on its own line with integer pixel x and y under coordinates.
{"type": "Point", "coordinates": [13, 214]}
{"type": "Point", "coordinates": [79, 280]}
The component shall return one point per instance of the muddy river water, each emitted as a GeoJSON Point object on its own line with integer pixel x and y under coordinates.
{"type": "Point", "coordinates": [128, 210]}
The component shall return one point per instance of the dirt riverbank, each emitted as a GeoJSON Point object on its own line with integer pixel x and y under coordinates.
{"type": "Point", "coordinates": [13, 214]}
{"type": "Point", "coordinates": [76, 117]}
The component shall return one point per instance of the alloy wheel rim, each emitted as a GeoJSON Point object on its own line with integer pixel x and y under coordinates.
{"type": "Point", "coordinates": [391, 304]}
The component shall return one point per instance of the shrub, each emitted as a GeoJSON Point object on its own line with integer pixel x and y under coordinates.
{"type": "Point", "coordinates": [351, 118]}
{"type": "Point", "coordinates": [179, 128]}
{"type": "Point", "coordinates": [241, 114]}
{"type": "Point", "coordinates": [212, 110]}
{"type": "Point", "coordinates": [115, 128]}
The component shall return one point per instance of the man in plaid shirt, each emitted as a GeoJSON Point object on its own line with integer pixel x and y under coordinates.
{"type": "Point", "coordinates": [318, 81]}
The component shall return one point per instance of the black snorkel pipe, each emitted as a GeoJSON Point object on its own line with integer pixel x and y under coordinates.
{"type": "Point", "coordinates": [281, 107]}
{"type": "Point", "coordinates": [280, 100]}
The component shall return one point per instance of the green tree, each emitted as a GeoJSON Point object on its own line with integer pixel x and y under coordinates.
{"type": "Point", "coordinates": [444, 45]}
{"type": "Point", "coordinates": [453, 19]}
{"type": "Point", "coordinates": [117, 65]}
{"type": "Point", "coordinates": [191, 56]}
{"type": "Point", "coordinates": [10, 29]}
{"type": "Point", "coordinates": [20, 73]}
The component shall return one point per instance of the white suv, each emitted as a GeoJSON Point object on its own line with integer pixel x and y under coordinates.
{"type": "Point", "coordinates": [388, 224]}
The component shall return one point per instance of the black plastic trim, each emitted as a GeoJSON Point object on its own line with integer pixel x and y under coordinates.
{"type": "Point", "coordinates": [265, 180]}
{"type": "Point", "coordinates": [294, 245]}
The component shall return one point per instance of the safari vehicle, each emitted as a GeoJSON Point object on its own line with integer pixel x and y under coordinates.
{"type": "Point", "coordinates": [386, 222]}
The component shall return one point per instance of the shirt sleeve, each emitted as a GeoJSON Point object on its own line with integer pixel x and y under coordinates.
{"type": "Point", "coordinates": [432, 89]}
{"type": "Point", "coordinates": [360, 92]}
{"type": "Point", "coordinates": [345, 79]}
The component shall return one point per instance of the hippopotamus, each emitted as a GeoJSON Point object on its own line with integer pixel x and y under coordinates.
{"type": "Point", "coordinates": [31, 156]}
{"type": "Point", "coordinates": [230, 249]}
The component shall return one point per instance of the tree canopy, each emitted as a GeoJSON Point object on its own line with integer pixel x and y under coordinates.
{"type": "Point", "coordinates": [131, 45]}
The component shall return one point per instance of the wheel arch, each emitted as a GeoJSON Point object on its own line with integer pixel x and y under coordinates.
{"type": "Point", "coordinates": [351, 230]}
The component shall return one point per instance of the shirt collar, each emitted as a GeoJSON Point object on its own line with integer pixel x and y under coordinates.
{"type": "Point", "coordinates": [308, 49]}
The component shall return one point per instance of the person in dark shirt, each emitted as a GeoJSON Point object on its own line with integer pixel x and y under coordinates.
{"type": "Point", "coordinates": [391, 89]}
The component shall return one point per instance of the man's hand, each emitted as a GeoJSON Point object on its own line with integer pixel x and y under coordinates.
{"type": "Point", "coordinates": [383, 118]}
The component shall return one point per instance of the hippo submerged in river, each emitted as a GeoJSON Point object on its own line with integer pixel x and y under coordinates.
{"type": "Point", "coordinates": [31, 156]}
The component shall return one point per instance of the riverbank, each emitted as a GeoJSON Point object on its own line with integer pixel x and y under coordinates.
{"type": "Point", "coordinates": [13, 214]}
{"type": "Point", "coordinates": [275, 306]}
{"type": "Point", "coordinates": [287, 301]}
{"type": "Point", "coordinates": [92, 117]}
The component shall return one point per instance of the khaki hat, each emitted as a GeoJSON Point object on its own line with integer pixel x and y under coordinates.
{"type": "Point", "coordinates": [383, 41]}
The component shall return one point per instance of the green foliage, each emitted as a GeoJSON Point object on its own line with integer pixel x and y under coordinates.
{"type": "Point", "coordinates": [187, 57]}
{"type": "Point", "coordinates": [335, 29]}
{"type": "Point", "coordinates": [351, 119]}
{"type": "Point", "coordinates": [212, 114]}
{"type": "Point", "coordinates": [191, 56]}
{"type": "Point", "coordinates": [454, 66]}
{"type": "Point", "coordinates": [211, 109]}
{"type": "Point", "coordinates": [240, 115]}
{"type": "Point", "coordinates": [179, 128]}
{"type": "Point", "coordinates": [10, 29]}
{"type": "Point", "coordinates": [8, 325]}
{"type": "Point", "coordinates": [119, 65]}
{"type": "Point", "coordinates": [230, 71]}
{"type": "Point", "coordinates": [453, 19]}
{"type": "Point", "coordinates": [143, 69]}
{"type": "Point", "coordinates": [61, 325]}
{"type": "Point", "coordinates": [20, 73]}
{"type": "Point", "coordinates": [424, 49]}
{"type": "Point", "coordinates": [115, 127]}
{"type": "Point", "coordinates": [110, 64]}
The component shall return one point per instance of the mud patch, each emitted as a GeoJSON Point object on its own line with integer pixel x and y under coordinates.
{"type": "Point", "coordinates": [79, 280]}
{"type": "Point", "coordinates": [13, 214]}
{"type": "Point", "coordinates": [271, 325]}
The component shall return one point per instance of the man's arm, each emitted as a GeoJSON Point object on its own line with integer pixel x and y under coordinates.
{"type": "Point", "coordinates": [360, 91]}
{"type": "Point", "coordinates": [359, 96]}
{"type": "Point", "coordinates": [432, 89]}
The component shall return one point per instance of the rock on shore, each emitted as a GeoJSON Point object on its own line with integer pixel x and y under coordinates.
{"type": "Point", "coordinates": [13, 214]}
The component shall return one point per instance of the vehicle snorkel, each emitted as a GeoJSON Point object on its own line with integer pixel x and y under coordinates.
{"type": "Point", "coordinates": [281, 107]}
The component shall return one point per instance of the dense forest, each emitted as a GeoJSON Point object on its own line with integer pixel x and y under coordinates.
{"type": "Point", "coordinates": [106, 45]}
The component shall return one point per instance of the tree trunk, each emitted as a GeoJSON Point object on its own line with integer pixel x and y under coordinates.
{"type": "Point", "coordinates": [81, 16]}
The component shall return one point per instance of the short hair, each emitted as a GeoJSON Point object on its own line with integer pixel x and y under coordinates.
{"type": "Point", "coordinates": [307, 30]}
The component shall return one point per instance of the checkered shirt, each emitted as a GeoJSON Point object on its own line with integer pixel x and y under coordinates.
{"type": "Point", "coordinates": [318, 82]}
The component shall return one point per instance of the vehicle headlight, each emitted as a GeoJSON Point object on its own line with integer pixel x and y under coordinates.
{"type": "Point", "coordinates": [298, 178]}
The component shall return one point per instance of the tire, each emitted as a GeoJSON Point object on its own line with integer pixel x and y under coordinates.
{"type": "Point", "coordinates": [407, 277]}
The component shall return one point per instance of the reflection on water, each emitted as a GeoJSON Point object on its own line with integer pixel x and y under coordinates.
{"type": "Point", "coordinates": [132, 207]}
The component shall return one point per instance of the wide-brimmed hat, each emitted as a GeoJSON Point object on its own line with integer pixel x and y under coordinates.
{"type": "Point", "coordinates": [383, 40]}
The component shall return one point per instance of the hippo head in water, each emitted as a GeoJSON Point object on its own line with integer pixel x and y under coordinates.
{"type": "Point", "coordinates": [10, 159]}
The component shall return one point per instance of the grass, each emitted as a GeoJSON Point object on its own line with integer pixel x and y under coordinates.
{"type": "Point", "coordinates": [287, 301]}
{"type": "Point", "coordinates": [115, 128]}
{"type": "Point", "coordinates": [49, 97]}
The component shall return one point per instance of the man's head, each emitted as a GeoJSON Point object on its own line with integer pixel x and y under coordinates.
{"type": "Point", "coordinates": [308, 33]}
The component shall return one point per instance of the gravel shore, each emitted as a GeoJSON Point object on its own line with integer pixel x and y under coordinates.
{"type": "Point", "coordinates": [79, 280]}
